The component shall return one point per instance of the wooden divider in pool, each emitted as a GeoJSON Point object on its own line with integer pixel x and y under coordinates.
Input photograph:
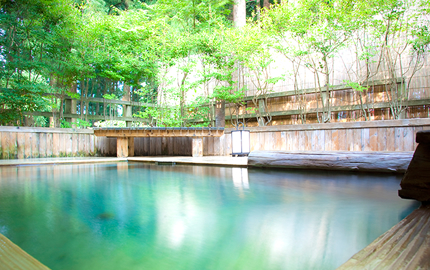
{"type": "Point", "coordinates": [14, 258]}
{"type": "Point", "coordinates": [390, 162]}
{"type": "Point", "coordinates": [125, 137]}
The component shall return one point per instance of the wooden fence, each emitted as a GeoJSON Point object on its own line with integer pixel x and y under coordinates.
{"type": "Point", "coordinates": [388, 135]}
{"type": "Point", "coordinates": [26, 142]}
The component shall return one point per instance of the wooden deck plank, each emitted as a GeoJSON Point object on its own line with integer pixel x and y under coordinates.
{"type": "Point", "coordinates": [13, 257]}
{"type": "Point", "coordinates": [404, 246]}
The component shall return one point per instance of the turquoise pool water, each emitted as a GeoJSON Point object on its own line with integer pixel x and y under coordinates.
{"type": "Point", "coordinates": [137, 216]}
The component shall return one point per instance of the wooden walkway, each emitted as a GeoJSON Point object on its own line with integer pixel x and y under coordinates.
{"type": "Point", "coordinates": [13, 257]}
{"type": "Point", "coordinates": [405, 246]}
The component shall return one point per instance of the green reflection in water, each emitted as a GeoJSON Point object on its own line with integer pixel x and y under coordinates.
{"type": "Point", "coordinates": [136, 216]}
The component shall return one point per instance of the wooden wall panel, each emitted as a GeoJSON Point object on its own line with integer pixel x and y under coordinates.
{"type": "Point", "coordinates": [49, 144]}
{"type": "Point", "coordinates": [381, 136]}
{"type": "Point", "coordinates": [398, 139]}
{"type": "Point", "coordinates": [42, 145]}
{"type": "Point", "coordinates": [373, 139]}
{"type": "Point", "coordinates": [216, 151]}
{"type": "Point", "coordinates": [222, 144]}
{"type": "Point", "coordinates": [69, 145]}
{"type": "Point", "coordinates": [205, 142]}
{"type": "Point", "coordinates": [349, 140]}
{"type": "Point", "coordinates": [365, 139]}
{"type": "Point", "coordinates": [408, 139]}
{"type": "Point", "coordinates": [290, 135]}
{"type": "Point", "coordinates": [21, 145]}
{"type": "Point", "coordinates": [227, 145]}
{"type": "Point", "coordinates": [328, 140]}
{"type": "Point", "coordinates": [75, 145]}
{"type": "Point", "coordinates": [35, 139]}
{"type": "Point", "coordinates": [391, 139]}
{"type": "Point", "coordinates": [28, 148]}
{"type": "Point", "coordinates": [211, 150]}
{"type": "Point", "coordinates": [92, 149]}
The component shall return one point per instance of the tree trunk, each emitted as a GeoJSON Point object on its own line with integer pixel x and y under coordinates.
{"type": "Point", "coordinates": [126, 108]}
{"type": "Point", "coordinates": [220, 114]}
{"type": "Point", "coordinates": [266, 4]}
{"type": "Point", "coordinates": [239, 13]}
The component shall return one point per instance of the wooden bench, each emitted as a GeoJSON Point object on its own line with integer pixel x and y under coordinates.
{"type": "Point", "coordinates": [125, 136]}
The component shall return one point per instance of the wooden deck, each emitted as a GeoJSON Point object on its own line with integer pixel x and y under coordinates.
{"type": "Point", "coordinates": [405, 246]}
{"type": "Point", "coordinates": [13, 257]}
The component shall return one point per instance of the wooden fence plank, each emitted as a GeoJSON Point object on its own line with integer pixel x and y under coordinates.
{"type": "Point", "coordinates": [390, 139]}
{"type": "Point", "coordinates": [35, 139]}
{"type": "Point", "coordinates": [49, 143]}
{"type": "Point", "coordinates": [290, 135]}
{"type": "Point", "coordinates": [222, 145]}
{"type": "Point", "coordinates": [227, 145]}
{"type": "Point", "coordinates": [365, 139]}
{"type": "Point", "coordinates": [28, 148]}
{"type": "Point", "coordinates": [164, 146]}
{"type": "Point", "coordinates": [81, 145]}
{"type": "Point", "coordinates": [381, 135]}
{"type": "Point", "coordinates": [211, 147]}
{"type": "Point", "coordinates": [42, 145]}
{"type": "Point", "coordinates": [373, 139]}
{"type": "Point", "coordinates": [328, 140]}
{"type": "Point", "coordinates": [408, 139]}
{"type": "Point", "coordinates": [398, 139]}
{"type": "Point", "coordinates": [319, 140]}
{"type": "Point", "coordinates": [216, 146]}
{"type": "Point", "coordinates": [92, 145]}
{"type": "Point", "coordinates": [159, 146]}
{"type": "Point", "coordinates": [21, 145]}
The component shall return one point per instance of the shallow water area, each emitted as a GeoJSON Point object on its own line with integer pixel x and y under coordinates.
{"type": "Point", "coordinates": [141, 216]}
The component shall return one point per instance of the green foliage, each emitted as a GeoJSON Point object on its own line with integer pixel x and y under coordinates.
{"type": "Point", "coordinates": [110, 96]}
{"type": "Point", "coordinates": [182, 55]}
{"type": "Point", "coordinates": [356, 86]}
{"type": "Point", "coordinates": [79, 123]}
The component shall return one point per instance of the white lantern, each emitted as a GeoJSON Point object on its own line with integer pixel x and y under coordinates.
{"type": "Point", "coordinates": [240, 143]}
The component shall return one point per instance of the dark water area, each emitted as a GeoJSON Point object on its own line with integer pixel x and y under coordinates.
{"type": "Point", "coordinates": [141, 216]}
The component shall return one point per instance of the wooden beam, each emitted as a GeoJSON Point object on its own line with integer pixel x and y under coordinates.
{"type": "Point", "coordinates": [380, 105]}
{"type": "Point", "coordinates": [122, 147]}
{"type": "Point", "coordinates": [131, 146]}
{"type": "Point", "coordinates": [158, 132]}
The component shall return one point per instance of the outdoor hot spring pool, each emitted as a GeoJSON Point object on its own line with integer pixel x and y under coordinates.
{"type": "Point", "coordinates": [140, 216]}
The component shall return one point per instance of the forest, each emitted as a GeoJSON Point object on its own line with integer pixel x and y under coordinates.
{"type": "Point", "coordinates": [83, 63]}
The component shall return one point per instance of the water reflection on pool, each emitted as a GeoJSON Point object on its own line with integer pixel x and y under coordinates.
{"type": "Point", "coordinates": [137, 216]}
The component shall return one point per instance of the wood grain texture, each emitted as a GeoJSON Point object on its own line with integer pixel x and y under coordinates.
{"type": "Point", "coordinates": [21, 145]}
{"type": "Point", "coordinates": [42, 145]}
{"type": "Point", "coordinates": [35, 139]}
{"type": "Point", "coordinates": [13, 257]}
{"type": "Point", "coordinates": [405, 246]}
{"type": "Point", "coordinates": [197, 145]}
{"type": "Point", "coordinates": [49, 144]}
{"type": "Point", "coordinates": [393, 162]}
